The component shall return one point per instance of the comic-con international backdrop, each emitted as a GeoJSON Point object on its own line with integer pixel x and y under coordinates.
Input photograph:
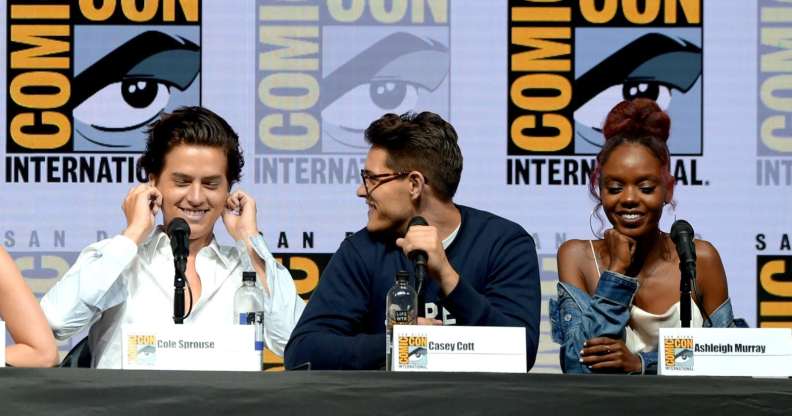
{"type": "Point", "coordinates": [526, 84]}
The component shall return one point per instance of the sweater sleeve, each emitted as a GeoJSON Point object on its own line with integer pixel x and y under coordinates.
{"type": "Point", "coordinates": [511, 296]}
{"type": "Point", "coordinates": [328, 335]}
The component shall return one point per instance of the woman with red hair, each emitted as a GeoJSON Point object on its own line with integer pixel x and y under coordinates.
{"type": "Point", "coordinates": [615, 293]}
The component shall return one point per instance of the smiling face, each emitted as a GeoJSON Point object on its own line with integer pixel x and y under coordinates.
{"type": "Point", "coordinates": [632, 190]}
{"type": "Point", "coordinates": [194, 186]}
{"type": "Point", "coordinates": [389, 199]}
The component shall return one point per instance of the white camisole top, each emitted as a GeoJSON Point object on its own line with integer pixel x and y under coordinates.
{"type": "Point", "coordinates": [642, 333]}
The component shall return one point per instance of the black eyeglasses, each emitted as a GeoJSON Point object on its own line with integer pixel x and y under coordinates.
{"type": "Point", "coordinates": [372, 182]}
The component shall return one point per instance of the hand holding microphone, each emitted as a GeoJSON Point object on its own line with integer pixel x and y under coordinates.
{"type": "Point", "coordinates": [422, 244]}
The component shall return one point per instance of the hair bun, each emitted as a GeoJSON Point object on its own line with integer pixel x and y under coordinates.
{"type": "Point", "coordinates": [636, 118]}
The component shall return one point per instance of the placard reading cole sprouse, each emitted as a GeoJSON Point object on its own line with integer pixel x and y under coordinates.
{"type": "Point", "coordinates": [190, 347]}
{"type": "Point", "coordinates": [758, 352]}
{"type": "Point", "coordinates": [458, 349]}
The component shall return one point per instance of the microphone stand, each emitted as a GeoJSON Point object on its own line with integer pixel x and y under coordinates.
{"type": "Point", "coordinates": [179, 279]}
{"type": "Point", "coordinates": [686, 276]}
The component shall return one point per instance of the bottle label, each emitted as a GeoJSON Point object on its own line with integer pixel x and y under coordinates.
{"type": "Point", "coordinates": [254, 318]}
{"type": "Point", "coordinates": [400, 317]}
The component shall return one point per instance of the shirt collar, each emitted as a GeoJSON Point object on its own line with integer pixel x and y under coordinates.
{"type": "Point", "coordinates": [159, 242]}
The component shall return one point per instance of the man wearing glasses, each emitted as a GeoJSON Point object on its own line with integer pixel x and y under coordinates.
{"type": "Point", "coordinates": [482, 269]}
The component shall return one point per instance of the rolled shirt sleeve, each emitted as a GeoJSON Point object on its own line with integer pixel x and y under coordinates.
{"type": "Point", "coordinates": [91, 286]}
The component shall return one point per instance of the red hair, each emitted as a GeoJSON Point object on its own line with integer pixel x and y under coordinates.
{"type": "Point", "coordinates": [640, 121]}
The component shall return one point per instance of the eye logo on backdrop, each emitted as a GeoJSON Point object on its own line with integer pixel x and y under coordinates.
{"type": "Point", "coordinates": [652, 65]}
{"type": "Point", "coordinates": [325, 72]}
{"type": "Point", "coordinates": [569, 65]}
{"type": "Point", "coordinates": [86, 78]}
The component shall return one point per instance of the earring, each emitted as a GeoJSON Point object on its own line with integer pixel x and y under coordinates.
{"type": "Point", "coordinates": [591, 225]}
{"type": "Point", "coordinates": [673, 212]}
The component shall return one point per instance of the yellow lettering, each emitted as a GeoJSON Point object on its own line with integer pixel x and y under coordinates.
{"type": "Point", "coordinates": [541, 82]}
{"type": "Point", "coordinates": [775, 308]}
{"type": "Point", "coordinates": [397, 10]}
{"type": "Point", "coordinates": [438, 9]}
{"type": "Point", "coordinates": [633, 15]}
{"type": "Point", "coordinates": [54, 80]}
{"type": "Point", "coordinates": [541, 14]}
{"type": "Point", "coordinates": [36, 57]}
{"type": "Point", "coordinates": [188, 7]}
{"type": "Point", "coordinates": [775, 287]}
{"type": "Point", "coordinates": [690, 8]}
{"type": "Point", "coordinates": [40, 11]}
{"type": "Point", "coordinates": [590, 12]}
{"type": "Point", "coordinates": [777, 61]}
{"type": "Point", "coordinates": [288, 13]}
{"type": "Point", "coordinates": [41, 141]}
{"type": "Point", "coordinates": [294, 82]}
{"type": "Point", "coordinates": [542, 143]}
{"type": "Point", "coordinates": [773, 141]}
{"type": "Point", "coordinates": [535, 59]}
{"type": "Point", "coordinates": [289, 141]}
{"type": "Point", "coordinates": [91, 12]}
{"type": "Point", "coordinates": [149, 10]}
{"type": "Point", "coordinates": [311, 270]}
{"type": "Point", "coordinates": [343, 13]}
{"type": "Point", "coordinates": [292, 52]}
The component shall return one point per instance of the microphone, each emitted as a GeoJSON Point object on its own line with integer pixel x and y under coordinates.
{"type": "Point", "coordinates": [682, 235]}
{"type": "Point", "coordinates": [419, 258]}
{"type": "Point", "coordinates": [179, 232]}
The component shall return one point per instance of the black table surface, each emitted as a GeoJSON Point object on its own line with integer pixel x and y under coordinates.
{"type": "Point", "coordinates": [85, 392]}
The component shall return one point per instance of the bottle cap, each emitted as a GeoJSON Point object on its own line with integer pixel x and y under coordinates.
{"type": "Point", "coordinates": [402, 276]}
{"type": "Point", "coordinates": [248, 276]}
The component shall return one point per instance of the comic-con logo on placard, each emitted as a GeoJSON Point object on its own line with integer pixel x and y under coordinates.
{"type": "Point", "coordinates": [678, 353]}
{"type": "Point", "coordinates": [325, 71]}
{"type": "Point", "coordinates": [571, 62]}
{"type": "Point", "coordinates": [84, 80]}
{"type": "Point", "coordinates": [142, 350]}
{"type": "Point", "coordinates": [413, 351]}
{"type": "Point", "coordinates": [774, 107]}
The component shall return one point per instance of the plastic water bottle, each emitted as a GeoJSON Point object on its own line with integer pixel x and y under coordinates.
{"type": "Point", "coordinates": [401, 308]}
{"type": "Point", "coordinates": [249, 307]}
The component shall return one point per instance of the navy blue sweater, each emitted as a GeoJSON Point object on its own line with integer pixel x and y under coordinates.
{"type": "Point", "coordinates": [343, 326]}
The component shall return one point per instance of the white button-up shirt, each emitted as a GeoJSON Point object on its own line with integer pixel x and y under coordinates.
{"type": "Point", "coordinates": [115, 282]}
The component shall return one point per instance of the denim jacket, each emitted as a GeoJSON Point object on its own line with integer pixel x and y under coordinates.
{"type": "Point", "coordinates": [576, 317]}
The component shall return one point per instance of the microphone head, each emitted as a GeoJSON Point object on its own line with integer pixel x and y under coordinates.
{"type": "Point", "coordinates": [679, 228]}
{"type": "Point", "coordinates": [178, 225]}
{"type": "Point", "coordinates": [179, 233]}
{"type": "Point", "coordinates": [417, 220]}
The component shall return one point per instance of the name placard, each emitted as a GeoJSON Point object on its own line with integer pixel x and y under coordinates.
{"type": "Point", "coordinates": [458, 349]}
{"type": "Point", "coordinates": [758, 352]}
{"type": "Point", "coordinates": [190, 347]}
